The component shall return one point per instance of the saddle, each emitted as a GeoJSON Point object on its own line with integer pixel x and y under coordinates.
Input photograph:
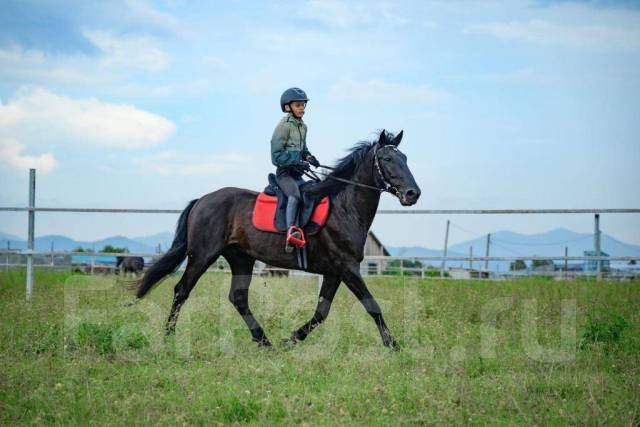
{"type": "Point", "coordinates": [269, 212]}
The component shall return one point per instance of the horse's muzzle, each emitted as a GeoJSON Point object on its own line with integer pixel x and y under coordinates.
{"type": "Point", "coordinates": [409, 196]}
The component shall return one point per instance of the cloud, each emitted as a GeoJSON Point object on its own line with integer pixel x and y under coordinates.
{"type": "Point", "coordinates": [51, 26]}
{"type": "Point", "coordinates": [42, 25]}
{"type": "Point", "coordinates": [37, 116]}
{"type": "Point", "coordinates": [334, 13]}
{"type": "Point", "coordinates": [20, 65]}
{"type": "Point", "coordinates": [116, 58]}
{"type": "Point", "coordinates": [115, 74]}
{"type": "Point", "coordinates": [381, 91]}
{"type": "Point", "coordinates": [142, 13]}
{"type": "Point", "coordinates": [600, 38]}
{"type": "Point", "coordinates": [11, 153]}
{"type": "Point", "coordinates": [181, 164]}
{"type": "Point", "coordinates": [128, 51]}
{"type": "Point", "coordinates": [613, 4]}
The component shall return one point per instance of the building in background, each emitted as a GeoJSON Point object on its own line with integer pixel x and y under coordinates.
{"type": "Point", "coordinates": [374, 247]}
{"type": "Point", "coordinates": [592, 264]}
{"type": "Point", "coordinates": [468, 273]}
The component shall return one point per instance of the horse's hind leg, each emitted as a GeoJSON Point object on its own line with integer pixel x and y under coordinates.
{"type": "Point", "coordinates": [242, 268]}
{"type": "Point", "coordinates": [196, 266]}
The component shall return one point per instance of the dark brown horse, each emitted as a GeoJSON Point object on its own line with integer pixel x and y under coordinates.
{"type": "Point", "coordinates": [220, 223]}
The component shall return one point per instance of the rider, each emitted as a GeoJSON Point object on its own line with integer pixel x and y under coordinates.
{"type": "Point", "coordinates": [290, 155]}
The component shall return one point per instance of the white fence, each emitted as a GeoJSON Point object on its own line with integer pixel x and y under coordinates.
{"type": "Point", "coordinates": [598, 259]}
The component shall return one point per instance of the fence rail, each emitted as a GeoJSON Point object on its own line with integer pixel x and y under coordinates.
{"type": "Point", "coordinates": [371, 266]}
{"type": "Point", "coordinates": [31, 210]}
{"type": "Point", "coordinates": [367, 258]}
{"type": "Point", "coordinates": [381, 211]}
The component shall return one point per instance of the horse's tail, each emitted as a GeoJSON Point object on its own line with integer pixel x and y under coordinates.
{"type": "Point", "coordinates": [170, 260]}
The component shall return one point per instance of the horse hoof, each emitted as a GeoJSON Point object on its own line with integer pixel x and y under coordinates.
{"type": "Point", "coordinates": [131, 302]}
{"type": "Point", "coordinates": [393, 345]}
{"type": "Point", "coordinates": [170, 330]}
{"type": "Point", "coordinates": [264, 344]}
{"type": "Point", "coordinates": [289, 342]}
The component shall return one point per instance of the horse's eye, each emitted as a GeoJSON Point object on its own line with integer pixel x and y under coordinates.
{"type": "Point", "coordinates": [387, 159]}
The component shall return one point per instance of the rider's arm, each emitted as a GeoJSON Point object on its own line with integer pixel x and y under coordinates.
{"type": "Point", "coordinates": [305, 153]}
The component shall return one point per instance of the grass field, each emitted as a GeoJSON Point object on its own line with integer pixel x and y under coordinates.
{"type": "Point", "coordinates": [523, 352]}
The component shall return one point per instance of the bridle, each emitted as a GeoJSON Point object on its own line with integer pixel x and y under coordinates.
{"type": "Point", "coordinates": [387, 186]}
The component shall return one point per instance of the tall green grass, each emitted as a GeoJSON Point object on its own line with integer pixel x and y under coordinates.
{"type": "Point", "coordinates": [81, 353]}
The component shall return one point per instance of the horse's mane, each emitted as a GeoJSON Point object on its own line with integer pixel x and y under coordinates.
{"type": "Point", "coordinates": [345, 168]}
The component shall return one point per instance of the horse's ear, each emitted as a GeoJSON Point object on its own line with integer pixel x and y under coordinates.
{"type": "Point", "coordinates": [383, 138]}
{"type": "Point", "coordinates": [398, 138]}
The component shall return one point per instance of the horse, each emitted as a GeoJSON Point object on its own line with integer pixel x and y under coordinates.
{"type": "Point", "coordinates": [220, 224]}
{"type": "Point", "coordinates": [132, 264]}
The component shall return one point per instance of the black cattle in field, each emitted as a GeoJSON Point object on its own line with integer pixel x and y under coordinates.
{"type": "Point", "coordinates": [129, 264]}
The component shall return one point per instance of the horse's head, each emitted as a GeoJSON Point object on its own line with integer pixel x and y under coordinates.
{"type": "Point", "coordinates": [392, 169]}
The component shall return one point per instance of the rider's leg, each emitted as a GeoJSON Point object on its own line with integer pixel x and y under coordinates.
{"type": "Point", "coordinates": [287, 183]}
{"type": "Point", "coordinates": [294, 234]}
{"type": "Point", "coordinates": [292, 211]}
{"type": "Point", "coordinates": [289, 187]}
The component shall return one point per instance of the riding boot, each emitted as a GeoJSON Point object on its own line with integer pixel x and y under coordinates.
{"type": "Point", "coordinates": [294, 234]}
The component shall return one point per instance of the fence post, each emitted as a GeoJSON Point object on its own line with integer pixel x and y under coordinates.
{"type": "Point", "coordinates": [446, 243]}
{"type": "Point", "coordinates": [32, 213]}
{"type": "Point", "coordinates": [486, 261]}
{"type": "Point", "coordinates": [597, 246]}
{"type": "Point", "coordinates": [566, 263]}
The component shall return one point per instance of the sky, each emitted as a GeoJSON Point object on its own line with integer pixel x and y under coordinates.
{"type": "Point", "coordinates": [504, 104]}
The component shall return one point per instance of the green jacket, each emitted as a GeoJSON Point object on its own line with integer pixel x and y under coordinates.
{"type": "Point", "coordinates": [289, 142]}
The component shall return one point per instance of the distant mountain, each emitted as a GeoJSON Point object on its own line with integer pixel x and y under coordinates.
{"type": "Point", "coordinates": [508, 243]}
{"type": "Point", "coordinates": [124, 242]}
{"type": "Point", "coordinates": [60, 243]}
{"type": "Point", "coordinates": [503, 243]}
{"type": "Point", "coordinates": [163, 239]}
{"type": "Point", "coordinates": [12, 243]}
{"type": "Point", "coordinates": [63, 243]}
{"type": "Point", "coordinates": [418, 251]}
{"type": "Point", "coordinates": [6, 236]}
{"type": "Point", "coordinates": [550, 243]}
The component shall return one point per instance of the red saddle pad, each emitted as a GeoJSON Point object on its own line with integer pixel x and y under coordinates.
{"type": "Point", "coordinates": [264, 212]}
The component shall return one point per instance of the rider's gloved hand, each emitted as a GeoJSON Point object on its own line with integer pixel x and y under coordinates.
{"type": "Point", "coordinates": [313, 161]}
{"type": "Point", "coordinates": [304, 165]}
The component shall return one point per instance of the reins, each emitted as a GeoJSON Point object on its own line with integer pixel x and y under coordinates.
{"type": "Point", "coordinates": [389, 188]}
{"type": "Point", "coordinates": [314, 176]}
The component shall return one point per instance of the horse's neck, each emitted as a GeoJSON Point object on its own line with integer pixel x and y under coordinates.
{"type": "Point", "coordinates": [361, 203]}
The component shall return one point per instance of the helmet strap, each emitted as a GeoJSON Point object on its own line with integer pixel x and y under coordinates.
{"type": "Point", "coordinates": [291, 111]}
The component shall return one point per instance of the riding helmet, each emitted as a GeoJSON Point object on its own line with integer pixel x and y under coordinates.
{"type": "Point", "coordinates": [292, 94]}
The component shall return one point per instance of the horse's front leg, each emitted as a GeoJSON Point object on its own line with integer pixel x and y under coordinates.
{"type": "Point", "coordinates": [356, 284]}
{"type": "Point", "coordinates": [328, 290]}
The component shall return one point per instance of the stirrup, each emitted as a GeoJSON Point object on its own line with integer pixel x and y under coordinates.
{"type": "Point", "coordinates": [295, 237]}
